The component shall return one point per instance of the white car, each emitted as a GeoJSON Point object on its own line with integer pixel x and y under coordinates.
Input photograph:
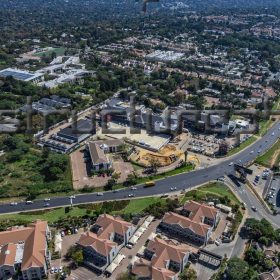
{"type": "Point", "coordinates": [217, 242]}
{"type": "Point", "coordinates": [251, 152]}
{"type": "Point", "coordinates": [99, 194]}
{"type": "Point", "coordinates": [29, 202]}
{"type": "Point", "coordinates": [131, 195]}
{"type": "Point", "coordinates": [231, 163]}
{"type": "Point", "coordinates": [47, 199]}
{"type": "Point", "coordinates": [52, 270]}
{"type": "Point", "coordinates": [272, 133]}
{"type": "Point", "coordinates": [60, 269]}
{"type": "Point", "coordinates": [13, 203]}
{"type": "Point", "coordinates": [129, 246]}
{"type": "Point", "coordinates": [134, 188]}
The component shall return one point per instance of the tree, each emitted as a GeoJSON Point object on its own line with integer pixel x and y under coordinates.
{"type": "Point", "coordinates": [236, 269]}
{"type": "Point", "coordinates": [188, 274]}
{"type": "Point", "coordinates": [109, 186]}
{"type": "Point", "coordinates": [75, 254]}
{"type": "Point", "coordinates": [254, 257]}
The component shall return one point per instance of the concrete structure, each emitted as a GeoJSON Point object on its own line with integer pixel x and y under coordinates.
{"type": "Point", "coordinates": [25, 249]}
{"type": "Point", "coordinates": [21, 75]}
{"type": "Point", "coordinates": [163, 259]}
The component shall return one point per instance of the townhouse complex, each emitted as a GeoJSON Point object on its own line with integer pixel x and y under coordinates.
{"type": "Point", "coordinates": [195, 225]}
{"type": "Point", "coordinates": [24, 251]}
{"type": "Point", "coordinates": [163, 259]}
{"type": "Point", "coordinates": [102, 244]}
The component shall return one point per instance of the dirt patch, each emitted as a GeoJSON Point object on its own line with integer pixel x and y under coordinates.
{"type": "Point", "coordinates": [166, 156]}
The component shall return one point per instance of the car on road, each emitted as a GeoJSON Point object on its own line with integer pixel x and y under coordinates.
{"type": "Point", "coordinates": [222, 179]}
{"type": "Point", "coordinates": [47, 199]}
{"type": "Point", "coordinates": [217, 242]}
{"type": "Point", "coordinates": [131, 195]}
{"type": "Point", "coordinates": [46, 205]}
{"type": "Point", "coordinates": [173, 188]}
{"type": "Point", "coordinates": [231, 163]}
{"type": "Point", "coordinates": [99, 194]}
{"type": "Point", "coordinates": [129, 246]}
{"type": "Point", "coordinates": [134, 188]}
{"type": "Point", "coordinates": [29, 202]}
{"type": "Point", "coordinates": [254, 208]}
{"type": "Point", "coordinates": [272, 133]}
{"type": "Point", "coordinates": [13, 203]}
{"type": "Point", "coordinates": [251, 152]}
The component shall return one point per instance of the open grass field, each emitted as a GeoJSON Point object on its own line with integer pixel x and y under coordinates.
{"type": "Point", "coordinates": [216, 189]}
{"type": "Point", "coordinates": [272, 156]}
{"type": "Point", "coordinates": [58, 51]}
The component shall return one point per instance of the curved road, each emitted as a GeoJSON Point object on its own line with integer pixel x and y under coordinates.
{"type": "Point", "coordinates": [181, 181]}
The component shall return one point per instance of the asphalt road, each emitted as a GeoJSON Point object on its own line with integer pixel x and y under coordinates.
{"type": "Point", "coordinates": [182, 181]}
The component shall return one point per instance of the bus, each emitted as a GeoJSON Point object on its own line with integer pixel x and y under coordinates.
{"type": "Point", "coordinates": [149, 184]}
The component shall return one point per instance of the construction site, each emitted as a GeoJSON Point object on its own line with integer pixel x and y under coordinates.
{"type": "Point", "coordinates": [164, 157]}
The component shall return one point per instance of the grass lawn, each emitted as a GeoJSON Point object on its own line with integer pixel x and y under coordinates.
{"type": "Point", "coordinates": [138, 205]}
{"type": "Point", "coordinates": [267, 158]}
{"type": "Point", "coordinates": [216, 189]}
{"type": "Point", "coordinates": [264, 126]}
{"type": "Point", "coordinates": [176, 171]}
{"type": "Point", "coordinates": [242, 146]}
{"type": "Point", "coordinates": [51, 215]}
{"type": "Point", "coordinates": [58, 51]}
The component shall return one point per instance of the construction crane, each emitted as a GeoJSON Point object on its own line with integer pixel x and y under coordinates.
{"type": "Point", "coordinates": [144, 9]}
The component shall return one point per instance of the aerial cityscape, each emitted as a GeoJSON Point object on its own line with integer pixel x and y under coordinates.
{"type": "Point", "coordinates": [140, 139]}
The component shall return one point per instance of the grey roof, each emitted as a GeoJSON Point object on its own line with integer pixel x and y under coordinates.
{"type": "Point", "coordinates": [96, 153]}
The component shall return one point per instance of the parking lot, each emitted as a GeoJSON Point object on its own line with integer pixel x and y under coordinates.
{"type": "Point", "coordinates": [259, 178]}
{"type": "Point", "coordinates": [274, 193]}
{"type": "Point", "coordinates": [80, 171]}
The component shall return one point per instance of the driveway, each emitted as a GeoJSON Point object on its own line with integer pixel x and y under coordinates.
{"type": "Point", "coordinates": [130, 253]}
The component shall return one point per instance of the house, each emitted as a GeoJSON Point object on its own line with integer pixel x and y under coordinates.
{"type": "Point", "coordinates": [25, 249]}
{"type": "Point", "coordinates": [272, 275]}
{"type": "Point", "coordinates": [99, 149]}
{"type": "Point", "coordinates": [185, 229]}
{"type": "Point", "coordinates": [113, 228]}
{"type": "Point", "coordinates": [102, 244]}
{"type": "Point", "coordinates": [98, 253]}
{"type": "Point", "coordinates": [201, 213]}
{"type": "Point", "coordinates": [163, 259]}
